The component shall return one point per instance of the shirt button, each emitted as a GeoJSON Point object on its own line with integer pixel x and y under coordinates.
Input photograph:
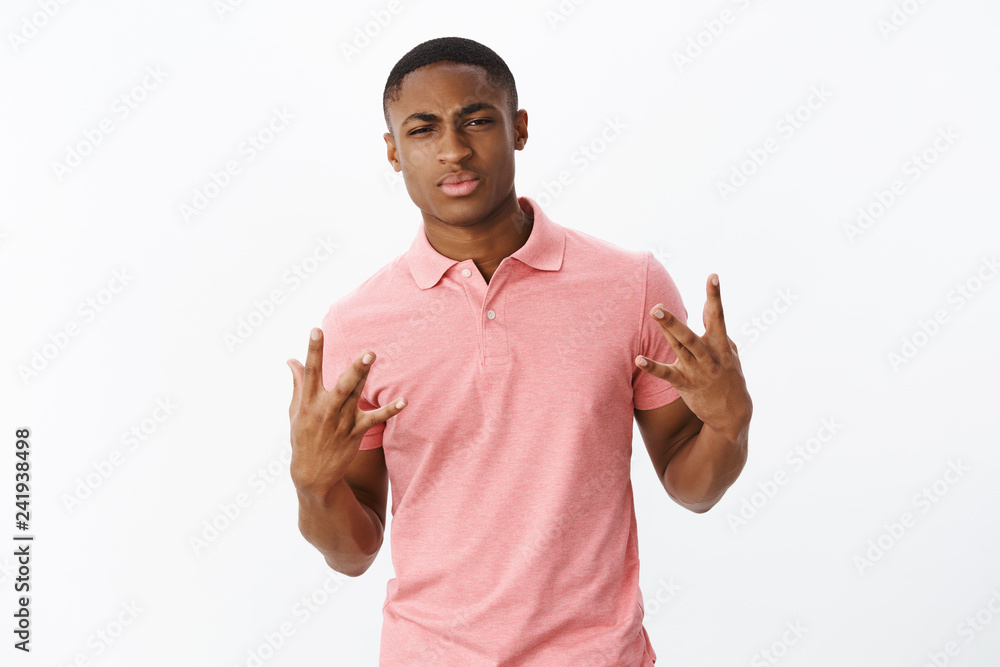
{"type": "Point", "coordinates": [490, 314]}
{"type": "Point", "coordinates": [466, 273]}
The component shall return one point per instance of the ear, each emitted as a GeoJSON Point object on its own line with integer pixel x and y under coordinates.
{"type": "Point", "coordinates": [390, 151]}
{"type": "Point", "coordinates": [520, 129]}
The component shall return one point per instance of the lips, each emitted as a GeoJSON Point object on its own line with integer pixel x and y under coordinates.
{"type": "Point", "coordinates": [459, 183]}
{"type": "Point", "coordinates": [458, 177]}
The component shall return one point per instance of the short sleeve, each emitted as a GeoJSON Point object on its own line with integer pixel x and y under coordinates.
{"type": "Point", "coordinates": [336, 358]}
{"type": "Point", "coordinates": [648, 391]}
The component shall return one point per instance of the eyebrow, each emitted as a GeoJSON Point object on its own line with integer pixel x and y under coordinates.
{"type": "Point", "coordinates": [432, 118]}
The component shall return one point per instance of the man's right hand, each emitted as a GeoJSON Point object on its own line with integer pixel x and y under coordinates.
{"type": "Point", "coordinates": [327, 426]}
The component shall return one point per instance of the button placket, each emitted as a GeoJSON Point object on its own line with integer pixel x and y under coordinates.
{"type": "Point", "coordinates": [496, 349]}
{"type": "Point", "coordinates": [476, 291]}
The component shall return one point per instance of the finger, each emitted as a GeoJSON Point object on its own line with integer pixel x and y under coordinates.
{"type": "Point", "coordinates": [371, 418]}
{"type": "Point", "coordinates": [681, 352]}
{"type": "Point", "coordinates": [347, 390]}
{"type": "Point", "coordinates": [312, 380]}
{"type": "Point", "coordinates": [715, 320]}
{"type": "Point", "coordinates": [296, 368]}
{"type": "Point", "coordinates": [366, 359]}
{"type": "Point", "coordinates": [669, 372]}
{"type": "Point", "coordinates": [686, 339]}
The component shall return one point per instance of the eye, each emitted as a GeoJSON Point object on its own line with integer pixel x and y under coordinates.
{"type": "Point", "coordinates": [422, 130]}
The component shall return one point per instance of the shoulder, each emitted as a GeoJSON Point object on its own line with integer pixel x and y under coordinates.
{"type": "Point", "coordinates": [373, 293]}
{"type": "Point", "coordinates": [376, 285]}
{"type": "Point", "coordinates": [612, 261]}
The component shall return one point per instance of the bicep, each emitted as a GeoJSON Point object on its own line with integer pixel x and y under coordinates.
{"type": "Point", "coordinates": [368, 478]}
{"type": "Point", "coordinates": [664, 431]}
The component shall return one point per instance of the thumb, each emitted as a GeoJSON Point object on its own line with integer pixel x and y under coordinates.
{"type": "Point", "coordinates": [294, 365]}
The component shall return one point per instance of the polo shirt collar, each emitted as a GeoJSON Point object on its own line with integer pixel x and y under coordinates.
{"type": "Point", "coordinates": [543, 250]}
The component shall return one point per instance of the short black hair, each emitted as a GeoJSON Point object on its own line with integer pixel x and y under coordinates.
{"type": "Point", "coordinates": [453, 49]}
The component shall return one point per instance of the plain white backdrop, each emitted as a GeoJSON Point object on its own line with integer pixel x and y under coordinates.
{"type": "Point", "coordinates": [834, 163]}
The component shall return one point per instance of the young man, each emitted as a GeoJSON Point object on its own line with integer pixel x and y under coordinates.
{"type": "Point", "coordinates": [491, 374]}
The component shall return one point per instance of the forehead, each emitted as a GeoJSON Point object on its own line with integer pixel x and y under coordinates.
{"type": "Point", "coordinates": [445, 87]}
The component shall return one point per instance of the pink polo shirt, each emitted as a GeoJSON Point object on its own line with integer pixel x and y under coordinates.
{"type": "Point", "coordinates": [513, 528]}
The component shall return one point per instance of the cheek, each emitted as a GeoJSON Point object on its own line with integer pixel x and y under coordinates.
{"type": "Point", "coordinates": [414, 160]}
{"type": "Point", "coordinates": [506, 164]}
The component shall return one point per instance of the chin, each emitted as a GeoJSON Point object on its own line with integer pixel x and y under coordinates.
{"type": "Point", "coordinates": [460, 212]}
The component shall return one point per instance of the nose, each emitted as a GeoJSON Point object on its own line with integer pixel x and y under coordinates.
{"type": "Point", "coordinates": [452, 146]}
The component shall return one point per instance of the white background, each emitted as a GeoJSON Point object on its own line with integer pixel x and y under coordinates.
{"type": "Point", "coordinates": [817, 311]}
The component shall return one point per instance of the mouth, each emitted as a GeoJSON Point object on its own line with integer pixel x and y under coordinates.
{"type": "Point", "coordinates": [459, 183]}
{"type": "Point", "coordinates": [461, 188]}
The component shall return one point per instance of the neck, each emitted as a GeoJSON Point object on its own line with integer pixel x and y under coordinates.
{"type": "Point", "coordinates": [486, 242]}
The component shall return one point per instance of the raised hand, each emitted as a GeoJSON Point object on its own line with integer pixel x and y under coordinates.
{"type": "Point", "coordinates": [707, 372]}
{"type": "Point", "coordinates": [327, 426]}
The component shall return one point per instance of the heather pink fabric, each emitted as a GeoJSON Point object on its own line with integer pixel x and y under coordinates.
{"type": "Point", "coordinates": [513, 531]}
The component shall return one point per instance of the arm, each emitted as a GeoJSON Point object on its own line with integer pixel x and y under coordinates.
{"type": "Point", "coordinates": [346, 531]}
{"type": "Point", "coordinates": [698, 451]}
{"type": "Point", "coordinates": [706, 466]}
{"type": "Point", "coordinates": [694, 462]}
{"type": "Point", "coordinates": [347, 524]}
{"type": "Point", "coordinates": [342, 490]}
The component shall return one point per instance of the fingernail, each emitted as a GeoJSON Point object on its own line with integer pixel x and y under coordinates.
{"type": "Point", "coordinates": [640, 360]}
{"type": "Point", "coordinates": [367, 359]}
{"type": "Point", "coordinates": [715, 280]}
{"type": "Point", "coordinates": [658, 314]}
{"type": "Point", "coordinates": [314, 334]}
{"type": "Point", "coordinates": [400, 404]}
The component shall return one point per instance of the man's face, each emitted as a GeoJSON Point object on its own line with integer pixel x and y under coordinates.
{"type": "Point", "coordinates": [447, 119]}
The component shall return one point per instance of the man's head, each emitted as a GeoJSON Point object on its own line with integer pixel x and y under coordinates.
{"type": "Point", "coordinates": [450, 106]}
{"type": "Point", "coordinates": [456, 50]}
